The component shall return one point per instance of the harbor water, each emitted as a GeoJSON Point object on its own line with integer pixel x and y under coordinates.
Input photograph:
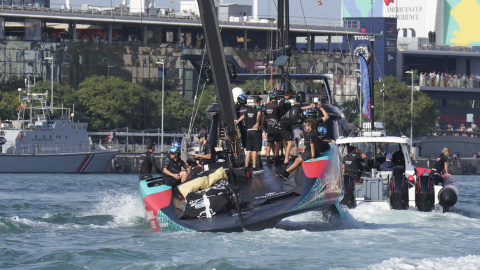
{"type": "Point", "coordinates": [96, 221]}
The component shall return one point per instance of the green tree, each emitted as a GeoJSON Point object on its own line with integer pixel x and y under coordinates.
{"type": "Point", "coordinates": [8, 106]}
{"type": "Point", "coordinates": [178, 109]}
{"type": "Point", "coordinates": [113, 103]}
{"type": "Point", "coordinates": [351, 110]}
{"type": "Point", "coordinates": [395, 111]}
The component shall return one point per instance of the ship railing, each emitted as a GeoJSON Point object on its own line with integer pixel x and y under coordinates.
{"type": "Point", "coordinates": [461, 133]}
{"type": "Point", "coordinates": [49, 149]}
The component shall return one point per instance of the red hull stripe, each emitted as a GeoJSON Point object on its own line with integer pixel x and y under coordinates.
{"type": "Point", "coordinates": [315, 169]}
{"type": "Point", "coordinates": [153, 203]}
{"type": "Point", "coordinates": [84, 163]}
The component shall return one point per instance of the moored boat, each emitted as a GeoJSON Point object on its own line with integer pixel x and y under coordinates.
{"type": "Point", "coordinates": [44, 141]}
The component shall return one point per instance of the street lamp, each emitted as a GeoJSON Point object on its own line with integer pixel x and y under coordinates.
{"type": "Point", "coordinates": [411, 111]}
{"type": "Point", "coordinates": [51, 100]}
{"type": "Point", "coordinates": [162, 62]}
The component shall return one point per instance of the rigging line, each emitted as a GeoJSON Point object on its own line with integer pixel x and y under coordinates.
{"type": "Point", "coordinates": [196, 111]}
{"type": "Point", "coordinates": [304, 18]}
{"type": "Point", "coordinates": [378, 67]}
{"type": "Point", "coordinates": [254, 79]}
{"type": "Point", "coordinates": [196, 92]}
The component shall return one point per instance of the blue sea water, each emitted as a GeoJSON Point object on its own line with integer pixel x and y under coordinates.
{"type": "Point", "coordinates": [67, 221]}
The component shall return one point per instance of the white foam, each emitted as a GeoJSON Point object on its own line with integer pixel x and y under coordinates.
{"type": "Point", "coordinates": [445, 263]}
{"type": "Point", "coordinates": [125, 208]}
{"type": "Point", "coordinates": [18, 222]}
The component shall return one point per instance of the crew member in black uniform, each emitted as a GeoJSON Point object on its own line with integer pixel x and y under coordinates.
{"type": "Point", "coordinates": [272, 116]}
{"type": "Point", "coordinates": [321, 115]}
{"type": "Point", "coordinates": [309, 153]}
{"type": "Point", "coordinates": [147, 162]}
{"type": "Point", "coordinates": [322, 143]}
{"type": "Point", "coordinates": [252, 119]}
{"type": "Point", "coordinates": [207, 152]}
{"type": "Point", "coordinates": [352, 170]}
{"type": "Point", "coordinates": [173, 174]}
{"type": "Point", "coordinates": [291, 117]}
{"type": "Point", "coordinates": [284, 103]}
{"type": "Point", "coordinates": [440, 165]}
{"type": "Point", "coordinates": [352, 165]}
{"type": "Point", "coordinates": [241, 110]}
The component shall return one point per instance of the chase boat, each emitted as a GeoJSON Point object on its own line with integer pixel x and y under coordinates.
{"type": "Point", "coordinates": [406, 187]}
{"type": "Point", "coordinates": [248, 201]}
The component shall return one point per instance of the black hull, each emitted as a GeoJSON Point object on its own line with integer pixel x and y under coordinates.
{"type": "Point", "coordinates": [267, 199]}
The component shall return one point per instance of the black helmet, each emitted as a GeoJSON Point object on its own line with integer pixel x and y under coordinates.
{"type": "Point", "coordinates": [202, 134]}
{"type": "Point", "coordinates": [322, 132]}
{"type": "Point", "coordinates": [174, 150]}
{"type": "Point", "coordinates": [242, 99]}
{"type": "Point", "coordinates": [310, 112]}
{"type": "Point", "coordinates": [273, 94]}
{"type": "Point", "coordinates": [150, 145]}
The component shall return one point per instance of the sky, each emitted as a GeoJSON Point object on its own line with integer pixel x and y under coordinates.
{"type": "Point", "coordinates": [298, 8]}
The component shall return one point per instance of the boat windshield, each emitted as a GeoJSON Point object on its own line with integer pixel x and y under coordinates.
{"type": "Point", "coordinates": [381, 149]}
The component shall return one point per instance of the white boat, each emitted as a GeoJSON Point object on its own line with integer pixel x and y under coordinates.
{"type": "Point", "coordinates": [407, 187]}
{"type": "Point", "coordinates": [42, 142]}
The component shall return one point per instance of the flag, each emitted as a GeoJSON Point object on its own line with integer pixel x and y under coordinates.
{"type": "Point", "coordinates": [319, 3]}
{"type": "Point", "coordinates": [387, 2]}
{"type": "Point", "coordinates": [365, 80]}
{"type": "Point", "coordinates": [112, 135]}
{"type": "Point", "coordinates": [20, 107]}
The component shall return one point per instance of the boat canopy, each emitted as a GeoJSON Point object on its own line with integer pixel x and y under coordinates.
{"type": "Point", "coordinates": [387, 139]}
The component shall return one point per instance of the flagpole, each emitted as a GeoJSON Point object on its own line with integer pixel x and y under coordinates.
{"type": "Point", "coordinates": [383, 104]}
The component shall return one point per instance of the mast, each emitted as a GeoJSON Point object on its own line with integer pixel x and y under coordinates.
{"type": "Point", "coordinates": [217, 62]}
{"type": "Point", "coordinates": [283, 39]}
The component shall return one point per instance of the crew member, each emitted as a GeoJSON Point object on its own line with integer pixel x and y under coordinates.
{"type": "Point", "coordinates": [309, 153]}
{"type": "Point", "coordinates": [388, 165]}
{"type": "Point", "coordinates": [147, 162]}
{"type": "Point", "coordinates": [285, 101]}
{"type": "Point", "coordinates": [252, 120]}
{"type": "Point", "coordinates": [322, 143]}
{"type": "Point", "coordinates": [241, 110]}
{"type": "Point", "coordinates": [173, 174]}
{"type": "Point", "coordinates": [207, 152]}
{"type": "Point", "coordinates": [272, 116]}
{"type": "Point", "coordinates": [440, 165]}
{"type": "Point", "coordinates": [318, 118]}
{"type": "Point", "coordinates": [287, 121]}
{"type": "Point", "coordinates": [352, 165]}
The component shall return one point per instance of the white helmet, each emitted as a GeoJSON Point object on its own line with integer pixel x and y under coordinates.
{"type": "Point", "coordinates": [237, 91]}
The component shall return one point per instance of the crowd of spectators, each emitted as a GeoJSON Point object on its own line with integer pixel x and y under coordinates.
{"type": "Point", "coordinates": [462, 130]}
{"type": "Point", "coordinates": [453, 80]}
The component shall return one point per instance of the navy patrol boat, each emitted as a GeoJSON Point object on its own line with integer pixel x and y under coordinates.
{"type": "Point", "coordinates": [44, 139]}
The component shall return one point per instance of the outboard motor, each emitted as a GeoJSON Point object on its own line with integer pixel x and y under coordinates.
{"type": "Point", "coordinates": [424, 193]}
{"type": "Point", "coordinates": [448, 195]}
{"type": "Point", "coordinates": [399, 189]}
{"type": "Point", "coordinates": [348, 192]}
